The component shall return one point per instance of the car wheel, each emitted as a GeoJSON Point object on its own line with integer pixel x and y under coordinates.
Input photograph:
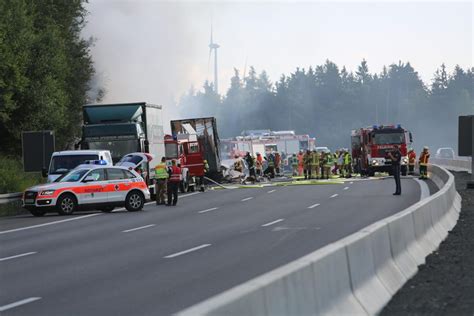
{"type": "Point", "coordinates": [38, 213]}
{"type": "Point", "coordinates": [107, 209]}
{"type": "Point", "coordinates": [134, 201]}
{"type": "Point", "coordinates": [67, 204]}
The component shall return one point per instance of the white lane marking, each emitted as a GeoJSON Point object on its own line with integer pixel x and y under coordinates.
{"type": "Point", "coordinates": [76, 218]}
{"type": "Point", "coordinates": [271, 191]}
{"type": "Point", "coordinates": [351, 182]}
{"type": "Point", "coordinates": [17, 256]}
{"type": "Point", "coordinates": [274, 222]}
{"type": "Point", "coordinates": [425, 190]}
{"type": "Point", "coordinates": [346, 188]}
{"type": "Point", "coordinates": [314, 205]}
{"type": "Point", "coordinates": [134, 229]}
{"type": "Point", "coordinates": [333, 196]}
{"type": "Point", "coordinates": [187, 251]}
{"type": "Point", "coordinates": [154, 202]}
{"type": "Point", "coordinates": [246, 199]}
{"type": "Point", "coordinates": [47, 224]}
{"type": "Point", "coordinates": [208, 210]}
{"type": "Point", "coordinates": [19, 303]}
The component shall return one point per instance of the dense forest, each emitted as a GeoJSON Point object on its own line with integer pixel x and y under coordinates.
{"type": "Point", "coordinates": [327, 102]}
{"type": "Point", "coordinates": [45, 70]}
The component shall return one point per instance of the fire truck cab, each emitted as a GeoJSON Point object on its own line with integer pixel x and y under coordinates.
{"type": "Point", "coordinates": [371, 145]}
{"type": "Point", "coordinates": [189, 156]}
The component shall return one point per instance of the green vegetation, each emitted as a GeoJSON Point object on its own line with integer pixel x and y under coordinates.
{"type": "Point", "coordinates": [12, 177]}
{"type": "Point", "coordinates": [327, 101]}
{"type": "Point", "coordinates": [45, 70]}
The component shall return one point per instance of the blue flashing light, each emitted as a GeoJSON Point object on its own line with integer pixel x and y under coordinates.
{"type": "Point", "coordinates": [96, 162]}
{"type": "Point", "coordinates": [399, 126]}
{"type": "Point", "coordinates": [374, 126]}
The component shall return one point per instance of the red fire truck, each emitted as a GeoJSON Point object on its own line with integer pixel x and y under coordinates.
{"type": "Point", "coordinates": [371, 145]}
{"type": "Point", "coordinates": [192, 142]}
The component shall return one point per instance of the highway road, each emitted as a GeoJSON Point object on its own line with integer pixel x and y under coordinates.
{"type": "Point", "coordinates": [164, 259]}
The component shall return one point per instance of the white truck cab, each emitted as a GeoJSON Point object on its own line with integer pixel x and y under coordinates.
{"type": "Point", "coordinates": [64, 161]}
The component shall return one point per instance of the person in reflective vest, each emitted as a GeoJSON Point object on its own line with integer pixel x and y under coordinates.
{"type": "Point", "coordinates": [411, 161]}
{"type": "Point", "coordinates": [327, 163]}
{"type": "Point", "coordinates": [277, 163]}
{"type": "Point", "coordinates": [348, 164]}
{"type": "Point", "coordinates": [270, 171]}
{"type": "Point", "coordinates": [173, 183]}
{"type": "Point", "coordinates": [315, 164]}
{"type": "Point", "coordinates": [201, 178]}
{"type": "Point", "coordinates": [161, 177]}
{"type": "Point", "coordinates": [424, 157]}
{"type": "Point", "coordinates": [259, 164]}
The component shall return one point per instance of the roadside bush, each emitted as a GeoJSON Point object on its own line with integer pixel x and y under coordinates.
{"type": "Point", "coordinates": [12, 177]}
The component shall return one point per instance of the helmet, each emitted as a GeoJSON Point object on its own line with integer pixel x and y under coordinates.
{"type": "Point", "coordinates": [426, 147]}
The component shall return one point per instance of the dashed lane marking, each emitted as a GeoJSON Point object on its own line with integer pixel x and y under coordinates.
{"type": "Point", "coordinates": [246, 199]}
{"type": "Point", "coordinates": [18, 303]}
{"type": "Point", "coordinates": [334, 195]}
{"type": "Point", "coordinates": [314, 205]}
{"type": "Point", "coordinates": [187, 251]}
{"type": "Point", "coordinates": [17, 256]}
{"type": "Point", "coordinates": [138, 228]}
{"type": "Point", "coordinates": [271, 191]}
{"type": "Point", "coordinates": [274, 222]}
{"type": "Point", "coordinates": [346, 188]}
{"type": "Point", "coordinates": [208, 210]}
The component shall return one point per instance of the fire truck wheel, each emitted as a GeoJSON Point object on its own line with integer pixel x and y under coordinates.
{"type": "Point", "coordinates": [66, 204]}
{"type": "Point", "coordinates": [184, 185]}
{"type": "Point", "coordinates": [371, 173]}
{"type": "Point", "coordinates": [404, 170]}
{"type": "Point", "coordinates": [38, 213]}
{"type": "Point", "coordinates": [134, 201]}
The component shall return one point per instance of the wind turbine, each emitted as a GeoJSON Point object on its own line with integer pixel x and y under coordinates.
{"type": "Point", "coordinates": [214, 46]}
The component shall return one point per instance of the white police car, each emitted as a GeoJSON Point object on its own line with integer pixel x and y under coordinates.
{"type": "Point", "coordinates": [89, 186]}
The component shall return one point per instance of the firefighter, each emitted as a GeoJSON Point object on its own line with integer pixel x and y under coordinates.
{"type": "Point", "coordinates": [315, 164]}
{"type": "Point", "coordinates": [294, 164]}
{"type": "Point", "coordinates": [201, 178]}
{"type": "Point", "coordinates": [327, 164]}
{"type": "Point", "coordinates": [337, 165]}
{"type": "Point", "coordinates": [173, 183]}
{"type": "Point", "coordinates": [347, 164]}
{"type": "Point", "coordinates": [238, 165]}
{"type": "Point", "coordinates": [307, 164]}
{"type": "Point", "coordinates": [259, 164]}
{"type": "Point", "coordinates": [277, 163]}
{"type": "Point", "coordinates": [300, 163]}
{"type": "Point", "coordinates": [270, 171]}
{"type": "Point", "coordinates": [161, 177]}
{"type": "Point", "coordinates": [424, 157]}
{"type": "Point", "coordinates": [411, 161]}
{"type": "Point", "coordinates": [251, 164]}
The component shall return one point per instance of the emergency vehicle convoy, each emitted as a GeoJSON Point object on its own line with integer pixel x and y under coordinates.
{"type": "Point", "coordinates": [89, 186]}
{"type": "Point", "coordinates": [371, 145]}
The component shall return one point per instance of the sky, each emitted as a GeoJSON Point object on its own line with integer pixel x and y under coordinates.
{"type": "Point", "coordinates": [154, 51]}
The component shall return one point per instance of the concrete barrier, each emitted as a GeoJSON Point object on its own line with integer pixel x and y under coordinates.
{"type": "Point", "coordinates": [454, 164]}
{"type": "Point", "coordinates": [357, 275]}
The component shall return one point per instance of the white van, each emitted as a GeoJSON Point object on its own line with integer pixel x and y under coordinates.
{"type": "Point", "coordinates": [64, 161]}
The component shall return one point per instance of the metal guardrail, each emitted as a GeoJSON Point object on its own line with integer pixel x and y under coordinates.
{"type": "Point", "coordinates": [10, 197]}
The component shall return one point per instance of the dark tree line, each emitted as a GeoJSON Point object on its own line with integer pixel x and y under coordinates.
{"type": "Point", "coordinates": [45, 70]}
{"type": "Point", "coordinates": [327, 102]}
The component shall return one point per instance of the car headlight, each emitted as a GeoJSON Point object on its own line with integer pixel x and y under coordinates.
{"type": "Point", "coordinates": [405, 160]}
{"type": "Point", "coordinates": [374, 162]}
{"type": "Point", "coordinates": [47, 192]}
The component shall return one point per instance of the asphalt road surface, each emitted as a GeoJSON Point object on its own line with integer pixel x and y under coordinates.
{"type": "Point", "coordinates": [164, 259]}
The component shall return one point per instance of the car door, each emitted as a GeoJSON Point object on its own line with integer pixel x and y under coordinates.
{"type": "Point", "coordinates": [118, 184]}
{"type": "Point", "coordinates": [94, 192]}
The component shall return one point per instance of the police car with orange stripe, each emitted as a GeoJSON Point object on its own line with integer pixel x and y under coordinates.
{"type": "Point", "coordinates": [89, 186]}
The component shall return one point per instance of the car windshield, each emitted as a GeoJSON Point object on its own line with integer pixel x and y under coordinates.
{"type": "Point", "coordinates": [135, 159]}
{"type": "Point", "coordinates": [171, 150]}
{"type": "Point", "coordinates": [388, 138]}
{"type": "Point", "coordinates": [118, 148]}
{"type": "Point", "coordinates": [74, 175]}
{"type": "Point", "coordinates": [63, 164]}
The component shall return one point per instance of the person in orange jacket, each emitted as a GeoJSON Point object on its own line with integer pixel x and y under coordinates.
{"type": "Point", "coordinates": [300, 163]}
{"type": "Point", "coordinates": [411, 161]}
{"type": "Point", "coordinates": [424, 157]}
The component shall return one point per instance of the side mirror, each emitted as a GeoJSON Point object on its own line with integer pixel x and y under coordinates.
{"type": "Point", "coordinates": [88, 179]}
{"type": "Point", "coordinates": [44, 172]}
{"type": "Point", "coordinates": [411, 138]}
